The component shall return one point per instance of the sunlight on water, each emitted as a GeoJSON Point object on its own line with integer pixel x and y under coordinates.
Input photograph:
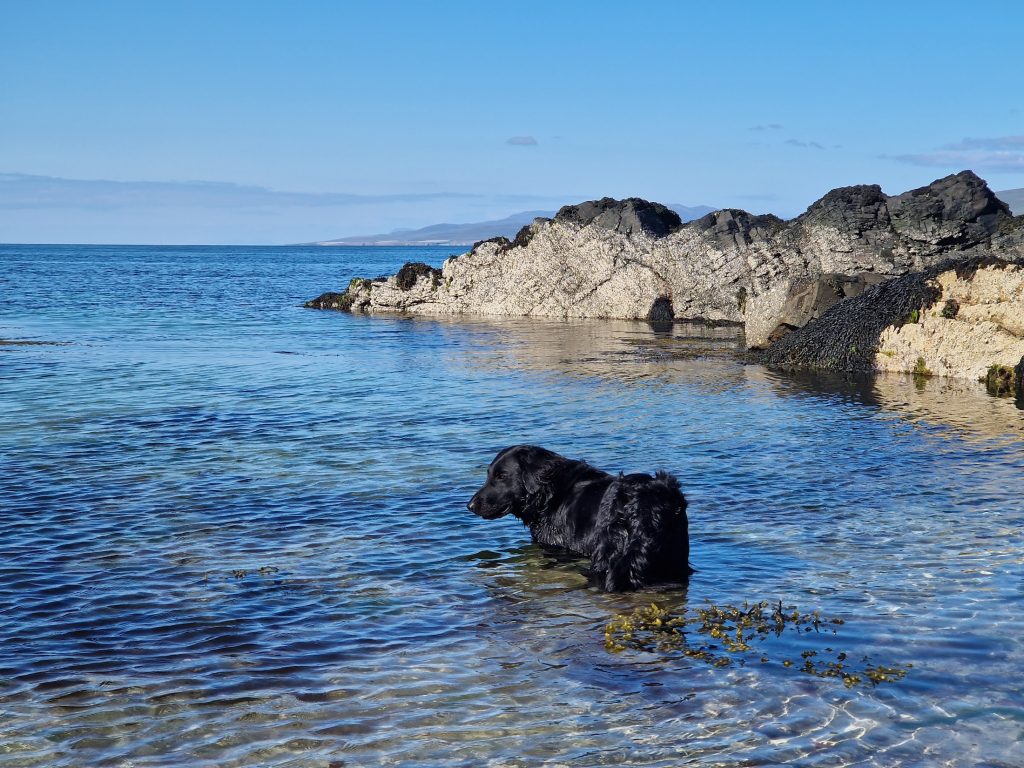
{"type": "Point", "coordinates": [235, 533]}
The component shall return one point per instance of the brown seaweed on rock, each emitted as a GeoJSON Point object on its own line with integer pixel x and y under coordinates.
{"type": "Point", "coordinates": [412, 271]}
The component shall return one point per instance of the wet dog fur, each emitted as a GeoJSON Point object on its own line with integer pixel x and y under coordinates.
{"type": "Point", "coordinates": [633, 528]}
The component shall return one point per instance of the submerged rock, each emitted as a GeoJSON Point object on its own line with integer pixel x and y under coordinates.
{"type": "Point", "coordinates": [634, 259]}
{"type": "Point", "coordinates": [330, 300]}
{"type": "Point", "coordinates": [724, 635]}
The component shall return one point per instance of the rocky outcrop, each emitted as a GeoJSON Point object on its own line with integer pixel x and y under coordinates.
{"type": "Point", "coordinates": [962, 319]}
{"type": "Point", "coordinates": [627, 217]}
{"type": "Point", "coordinates": [809, 298]}
{"type": "Point", "coordinates": [634, 259]}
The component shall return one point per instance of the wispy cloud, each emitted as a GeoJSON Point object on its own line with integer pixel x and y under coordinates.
{"type": "Point", "coordinates": [999, 154]}
{"type": "Point", "coordinates": [24, 191]}
{"type": "Point", "coordinates": [996, 143]}
{"type": "Point", "coordinates": [1000, 162]}
{"type": "Point", "coordinates": [803, 144]}
{"type": "Point", "coordinates": [767, 127]}
{"type": "Point", "coordinates": [522, 141]}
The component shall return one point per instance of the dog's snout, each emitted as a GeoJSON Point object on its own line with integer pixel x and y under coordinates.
{"type": "Point", "coordinates": [472, 504]}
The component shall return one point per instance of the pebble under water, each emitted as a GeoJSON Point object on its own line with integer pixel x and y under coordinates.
{"type": "Point", "coordinates": [234, 533]}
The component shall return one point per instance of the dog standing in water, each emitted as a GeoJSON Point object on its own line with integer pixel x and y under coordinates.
{"type": "Point", "coordinates": [632, 527]}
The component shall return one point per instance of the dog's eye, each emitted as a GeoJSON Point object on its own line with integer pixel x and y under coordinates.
{"type": "Point", "coordinates": [499, 475]}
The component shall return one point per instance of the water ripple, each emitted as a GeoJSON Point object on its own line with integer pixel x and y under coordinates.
{"type": "Point", "coordinates": [234, 533]}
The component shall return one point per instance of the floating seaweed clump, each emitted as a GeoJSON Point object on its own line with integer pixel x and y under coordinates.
{"type": "Point", "coordinates": [729, 633]}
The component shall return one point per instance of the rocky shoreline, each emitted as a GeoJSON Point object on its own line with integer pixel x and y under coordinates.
{"type": "Point", "coordinates": [961, 319]}
{"type": "Point", "coordinates": [831, 289]}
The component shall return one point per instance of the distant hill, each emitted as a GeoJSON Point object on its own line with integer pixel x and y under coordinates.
{"type": "Point", "coordinates": [1013, 198]}
{"type": "Point", "coordinates": [446, 234]}
{"type": "Point", "coordinates": [467, 234]}
{"type": "Point", "coordinates": [692, 212]}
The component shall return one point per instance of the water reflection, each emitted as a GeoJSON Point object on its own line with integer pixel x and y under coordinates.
{"type": "Point", "coordinates": [220, 555]}
{"type": "Point", "coordinates": [643, 353]}
{"type": "Point", "coordinates": [961, 405]}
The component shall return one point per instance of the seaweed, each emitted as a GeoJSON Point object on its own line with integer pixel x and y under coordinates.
{"type": "Point", "coordinates": [412, 271]}
{"type": "Point", "coordinates": [1001, 380]}
{"type": "Point", "coordinates": [730, 634]}
{"type": "Point", "coordinates": [330, 300]}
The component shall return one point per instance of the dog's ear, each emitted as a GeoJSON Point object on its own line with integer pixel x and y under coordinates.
{"type": "Point", "coordinates": [540, 471]}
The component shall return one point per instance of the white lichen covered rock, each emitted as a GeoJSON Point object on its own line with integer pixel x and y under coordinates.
{"type": "Point", "coordinates": [975, 322]}
{"type": "Point", "coordinates": [633, 259]}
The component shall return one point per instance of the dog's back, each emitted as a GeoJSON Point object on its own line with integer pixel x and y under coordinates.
{"type": "Point", "coordinates": [641, 533]}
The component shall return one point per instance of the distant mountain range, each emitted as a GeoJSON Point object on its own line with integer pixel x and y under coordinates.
{"type": "Point", "coordinates": [467, 234]}
{"type": "Point", "coordinates": [1013, 198]}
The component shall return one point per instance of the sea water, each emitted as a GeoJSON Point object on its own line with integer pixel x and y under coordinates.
{"type": "Point", "coordinates": [234, 533]}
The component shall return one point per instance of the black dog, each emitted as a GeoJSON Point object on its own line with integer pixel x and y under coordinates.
{"type": "Point", "coordinates": [632, 527]}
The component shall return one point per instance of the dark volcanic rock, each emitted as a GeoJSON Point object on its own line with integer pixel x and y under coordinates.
{"type": "Point", "coordinates": [856, 210]}
{"type": "Point", "coordinates": [732, 228]}
{"type": "Point", "coordinates": [627, 217]}
{"type": "Point", "coordinates": [523, 236]}
{"type": "Point", "coordinates": [501, 240]}
{"type": "Point", "coordinates": [956, 210]}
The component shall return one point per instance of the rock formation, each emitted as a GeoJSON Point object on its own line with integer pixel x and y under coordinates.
{"type": "Point", "coordinates": [963, 319]}
{"type": "Point", "coordinates": [635, 259]}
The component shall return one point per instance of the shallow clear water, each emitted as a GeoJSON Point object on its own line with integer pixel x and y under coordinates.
{"type": "Point", "coordinates": [234, 533]}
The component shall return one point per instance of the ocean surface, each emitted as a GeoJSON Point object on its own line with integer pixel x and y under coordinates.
{"type": "Point", "coordinates": [234, 533]}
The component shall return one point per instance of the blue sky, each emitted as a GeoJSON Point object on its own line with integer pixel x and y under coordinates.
{"type": "Point", "coordinates": [260, 122]}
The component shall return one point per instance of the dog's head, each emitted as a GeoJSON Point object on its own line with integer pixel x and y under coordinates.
{"type": "Point", "coordinates": [515, 485]}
